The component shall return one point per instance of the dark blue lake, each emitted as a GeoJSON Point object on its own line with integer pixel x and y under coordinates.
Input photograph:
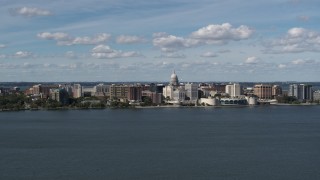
{"type": "Point", "coordinates": [271, 142]}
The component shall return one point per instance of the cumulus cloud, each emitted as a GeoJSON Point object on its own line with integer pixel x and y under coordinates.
{"type": "Point", "coordinates": [30, 12]}
{"type": "Point", "coordinates": [296, 40]}
{"type": "Point", "coordinates": [58, 36]}
{"type": "Point", "coordinates": [123, 39]}
{"type": "Point", "coordinates": [23, 54]}
{"type": "Point", "coordinates": [170, 43]}
{"type": "Point", "coordinates": [209, 54]}
{"type": "Point", "coordinates": [302, 61]}
{"type": "Point", "coordinates": [67, 40]}
{"type": "Point", "coordinates": [171, 55]}
{"type": "Point", "coordinates": [2, 46]}
{"type": "Point", "coordinates": [251, 60]}
{"type": "Point", "coordinates": [211, 34]}
{"type": "Point", "coordinates": [105, 52]}
{"type": "Point", "coordinates": [220, 34]}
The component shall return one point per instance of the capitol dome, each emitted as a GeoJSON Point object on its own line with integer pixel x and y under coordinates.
{"type": "Point", "coordinates": [174, 79]}
{"type": "Point", "coordinates": [174, 76]}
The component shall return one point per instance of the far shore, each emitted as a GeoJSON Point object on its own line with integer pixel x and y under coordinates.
{"type": "Point", "coordinates": [159, 106]}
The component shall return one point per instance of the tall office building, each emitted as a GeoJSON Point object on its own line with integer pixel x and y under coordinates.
{"type": "Point", "coordinates": [263, 91]}
{"type": "Point", "coordinates": [234, 90]}
{"type": "Point", "coordinates": [301, 91]}
{"type": "Point", "coordinates": [191, 91]}
{"type": "Point", "coordinates": [77, 90]}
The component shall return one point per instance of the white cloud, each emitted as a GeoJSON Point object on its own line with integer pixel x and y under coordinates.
{"type": "Point", "coordinates": [282, 66]}
{"type": "Point", "coordinates": [171, 55]}
{"type": "Point", "coordinates": [23, 54]}
{"type": "Point", "coordinates": [220, 34]}
{"type": "Point", "coordinates": [302, 61]}
{"type": "Point", "coordinates": [211, 34]}
{"type": "Point", "coordinates": [296, 40]}
{"type": "Point", "coordinates": [30, 11]}
{"type": "Point", "coordinates": [123, 39]}
{"type": "Point", "coordinates": [67, 40]}
{"type": "Point", "coordinates": [170, 43]}
{"type": "Point", "coordinates": [251, 60]}
{"type": "Point", "coordinates": [58, 36]}
{"type": "Point", "coordinates": [2, 46]}
{"type": "Point", "coordinates": [209, 54]}
{"type": "Point", "coordinates": [105, 52]}
{"type": "Point", "coordinates": [100, 38]}
{"type": "Point", "coordinates": [2, 56]}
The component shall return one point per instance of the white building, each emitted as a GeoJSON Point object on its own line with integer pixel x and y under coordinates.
{"type": "Point", "coordinates": [191, 91]}
{"type": "Point", "coordinates": [77, 90]}
{"type": "Point", "coordinates": [234, 90]}
{"type": "Point", "coordinates": [168, 92]}
{"type": "Point", "coordinates": [174, 81]}
{"type": "Point", "coordinates": [316, 95]}
{"type": "Point", "coordinates": [179, 94]}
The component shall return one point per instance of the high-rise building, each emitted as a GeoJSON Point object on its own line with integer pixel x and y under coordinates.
{"type": "Point", "coordinates": [77, 90]}
{"type": "Point", "coordinates": [60, 95]}
{"type": "Point", "coordinates": [191, 91]}
{"type": "Point", "coordinates": [301, 91]}
{"type": "Point", "coordinates": [263, 91]}
{"type": "Point", "coordinates": [134, 93]}
{"type": "Point", "coordinates": [316, 95]}
{"type": "Point", "coordinates": [276, 90]}
{"type": "Point", "coordinates": [234, 90]}
{"type": "Point", "coordinates": [168, 92]}
{"type": "Point", "coordinates": [102, 90]}
{"type": "Point", "coordinates": [118, 92]}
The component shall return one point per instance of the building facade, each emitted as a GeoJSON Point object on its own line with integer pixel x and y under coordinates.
{"type": "Point", "coordinates": [263, 91]}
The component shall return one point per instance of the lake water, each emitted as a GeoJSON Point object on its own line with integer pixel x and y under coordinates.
{"type": "Point", "coordinates": [270, 142]}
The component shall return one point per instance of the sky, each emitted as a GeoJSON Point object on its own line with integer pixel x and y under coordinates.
{"type": "Point", "coordinates": [146, 40]}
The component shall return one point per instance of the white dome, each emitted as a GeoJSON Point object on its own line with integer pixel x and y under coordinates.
{"type": "Point", "coordinates": [174, 76]}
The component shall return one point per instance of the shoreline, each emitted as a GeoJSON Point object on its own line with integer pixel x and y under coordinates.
{"type": "Point", "coordinates": [155, 107]}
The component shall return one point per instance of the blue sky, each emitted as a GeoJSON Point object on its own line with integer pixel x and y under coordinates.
{"type": "Point", "coordinates": [139, 40]}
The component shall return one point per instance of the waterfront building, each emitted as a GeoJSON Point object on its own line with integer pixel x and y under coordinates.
{"type": "Point", "coordinates": [302, 92]}
{"type": "Point", "coordinates": [118, 91]}
{"type": "Point", "coordinates": [77, 90]}
{"type": "Point", "coordinates": [219, 88]}
{"type": "Point", "coordinates": [134, 93]}
{"type": "Point", "coordinates": [88, 91]}
{"type": "Point", "coordinates": [154, 96]}
{"type": "Point", "coordinates": [168, 92]}
{"type": "Point", "coordinates": [191, 91]}
{"type": "Point", "coordinates": [42, 90]}
{"type": "Point", "coordinates": [276, 91]}
{"type": "Point", "coordinates": [179, 94]}
{"type": "Point", "coordinates": [210, 101]}
{"type": "Point", "coordinates": [60, 95]}
{"type": "Point", "coordinates": [233, 101]}
{"type": "Point", "coordinates": [102, 90]}
{"type": "Point", "coordinates": [263, 91]}
{"type": "Point", "coordinates": [316, 96]}
{"type": "Point", "coordinates": [234, 90]}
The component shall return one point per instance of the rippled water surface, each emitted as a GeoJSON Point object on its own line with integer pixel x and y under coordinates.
{"type": "Point", "coordinates": [272, 142]}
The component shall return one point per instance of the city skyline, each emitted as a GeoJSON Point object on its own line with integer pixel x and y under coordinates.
{"type": "Point", "coordinates": [145, 41]}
